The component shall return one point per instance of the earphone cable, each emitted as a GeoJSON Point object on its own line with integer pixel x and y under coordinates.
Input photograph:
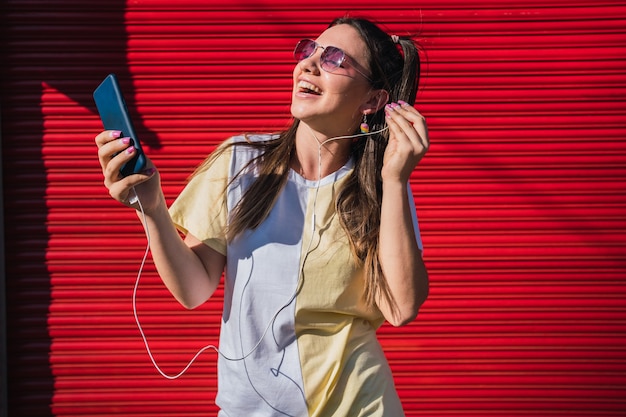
{"type": "Point", "coordinates": [135, 198]}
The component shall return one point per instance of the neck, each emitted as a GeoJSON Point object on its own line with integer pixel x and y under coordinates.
{"type": "Point", "coordinates": [317, 155]}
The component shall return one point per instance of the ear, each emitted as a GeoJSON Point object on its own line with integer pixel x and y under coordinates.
{"type": "Point", "coordinates": [378, 98]}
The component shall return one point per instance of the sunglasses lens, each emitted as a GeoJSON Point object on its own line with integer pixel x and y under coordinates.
{"type": "Point", "coordinates": [304, 49]}
{"type": "Point", "coordinates": [332, 58]}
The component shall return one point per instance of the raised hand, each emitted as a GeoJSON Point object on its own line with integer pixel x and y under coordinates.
{"type": "Point", "coordinates": [113, 153]}
{"type": "Point", "coordinates": [408, 141]}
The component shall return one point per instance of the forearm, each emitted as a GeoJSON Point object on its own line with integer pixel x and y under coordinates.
{"type": "Point", "coordinates": [400, 256]}
{"type": "Point", "coordinates": [190, 280]}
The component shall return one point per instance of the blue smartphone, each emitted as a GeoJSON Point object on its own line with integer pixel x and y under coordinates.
{"type": "Point", "coordinates": [113, 112]}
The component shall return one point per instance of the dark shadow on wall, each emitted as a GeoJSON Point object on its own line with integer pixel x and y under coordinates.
{"type": "Point", "coordinates": [70, 46]}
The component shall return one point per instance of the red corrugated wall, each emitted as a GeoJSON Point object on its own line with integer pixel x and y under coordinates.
{"type": "Point", "coordinates": [521, 199]}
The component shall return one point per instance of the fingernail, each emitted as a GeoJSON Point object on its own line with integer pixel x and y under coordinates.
{"type": "Point", "coordinates": [125, 141]}
{"type": "Point", "coordinates": [389, 107]}
{"type": "Point", "coordinates": [394, 105]}
{"type": "Point", "coordinates": [115, 133]}
{"type": "Point", "coordinates": [403, 103]}
{"type": "Point", "coordinates": [149, 171]}
{"type": "Point", "coordinates": [130, 149]}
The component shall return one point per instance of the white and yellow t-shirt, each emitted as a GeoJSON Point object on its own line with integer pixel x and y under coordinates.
{"type": "Point", "coordinates": [297, 338]}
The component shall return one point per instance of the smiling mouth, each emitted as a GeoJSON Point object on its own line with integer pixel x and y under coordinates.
{"type": "Point", "coordinates": [308, 88]}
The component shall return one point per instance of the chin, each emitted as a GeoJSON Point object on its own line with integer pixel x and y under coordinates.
{"type": "Point", "coordinates": [299, 110]}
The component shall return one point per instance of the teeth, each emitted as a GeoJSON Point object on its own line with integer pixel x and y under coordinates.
{"type": "Point", "coordinates": [308, 86]}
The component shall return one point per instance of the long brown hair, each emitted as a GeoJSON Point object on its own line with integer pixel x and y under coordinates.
{"type": "Point", "coordinates": [394, 65]}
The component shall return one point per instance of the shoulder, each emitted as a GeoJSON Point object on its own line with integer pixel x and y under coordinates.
{"type": "Point", "coordinates": [252, 139]}
{"type": "Point", "coordinates": [248, 147]}
{"type": "Point", "coordinates": [252, 143]}
{"type": "Point", "coordinates": [237, 148]}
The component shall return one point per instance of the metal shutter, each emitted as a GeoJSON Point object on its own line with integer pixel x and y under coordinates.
{"type": "Point", "coordinates": [521, 199]}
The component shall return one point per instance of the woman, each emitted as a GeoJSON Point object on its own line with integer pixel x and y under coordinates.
{"type": "Point", "coordinates": [314, 228]}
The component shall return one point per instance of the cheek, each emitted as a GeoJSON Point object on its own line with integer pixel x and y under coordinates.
{"type": "Point", "coordinates": [294, 78]}
{"type": "Point", "coordinates": [345, 86]}
{"type": "Point", "coordinates": [295, 74]}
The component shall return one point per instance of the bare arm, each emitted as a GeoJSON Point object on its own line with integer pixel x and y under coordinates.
{"type": "Point", "coordinates": [189, 269]}
{"type": "Point", "coordinates": [401, 259]}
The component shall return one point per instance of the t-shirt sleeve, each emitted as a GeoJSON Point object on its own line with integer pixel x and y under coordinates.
{"type": "Point", "coordinates": [201, 208]}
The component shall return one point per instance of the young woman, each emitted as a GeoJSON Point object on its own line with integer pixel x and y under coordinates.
{"type": "Point", "coordinates": [314, 229]}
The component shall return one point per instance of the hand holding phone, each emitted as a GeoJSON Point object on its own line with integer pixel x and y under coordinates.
{"type": "Point", "coordinates": [113, 112]}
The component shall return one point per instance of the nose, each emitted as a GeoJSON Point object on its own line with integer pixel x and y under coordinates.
{"type": "Point", "coordinates": [312, 63]}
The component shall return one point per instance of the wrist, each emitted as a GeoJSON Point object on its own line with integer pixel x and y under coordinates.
{"type": "Point", "coordinates": [154, 208]}
{"type": "Point", "coordinates": [394, 183]}
{"type": "Point", "coordinates": [393, 176]}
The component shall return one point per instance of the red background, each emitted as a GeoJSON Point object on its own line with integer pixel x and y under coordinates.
{"type": "Point", "coordinates": [521, 199]}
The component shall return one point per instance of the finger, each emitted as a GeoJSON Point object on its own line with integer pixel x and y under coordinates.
{"type": "Point", "coordinates": [401, 118]}
{"type": "Point", "coordinates": [111, 149]}
{"type": "Point", "coordinates": [411, 113]}
{"type": "Point", "coordinates": [121, 190]}
{"type": "Point", "coordinates": [112, 164]}
{"type": "Point", "coordinates": [109, 143]}
{"type": "Point", "coordinates": [107, 136]}
{"type": "Point", "coordinates": [417, 119]}
{"type": "Point", "coordinates": [395, 129]}
{"type": "Point", "coordinates": [406, 133]}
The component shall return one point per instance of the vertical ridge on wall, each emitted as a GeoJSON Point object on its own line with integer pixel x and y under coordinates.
{"type": "Point", "coordinates": [521, 198]}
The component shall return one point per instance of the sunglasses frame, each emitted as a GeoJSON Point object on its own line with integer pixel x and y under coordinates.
{"type": "Point", "coordinates": [324, 63]}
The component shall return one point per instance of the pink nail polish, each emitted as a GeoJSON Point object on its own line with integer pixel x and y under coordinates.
{"type": "Point", "coordinates": [115, 133]}
{"type": "Point", "coordinates": [403, 103]}
{"type": "Point", "coordinates": [389, 107]}
{"type": "Point", "coordinates": [130, 150]}
{"type": "Point", "coordinates": [125, 141]}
